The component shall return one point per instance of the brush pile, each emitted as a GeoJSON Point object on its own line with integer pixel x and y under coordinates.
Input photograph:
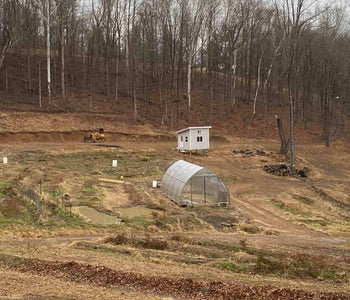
{"type": "Point", "coordinates": [250, 152]}
{"type": "Point", "coordinates": [285, 170]}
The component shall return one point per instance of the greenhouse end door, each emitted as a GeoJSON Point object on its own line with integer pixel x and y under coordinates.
{"type": "Point", "coordinates": [211, 190]}
{"type": "Point", "coordinates": [202, 189]}
{"type": "Point", "coordinates": [197, 184]}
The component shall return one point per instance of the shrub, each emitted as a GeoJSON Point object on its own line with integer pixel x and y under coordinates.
{"type": "Point", "coordinates": [120, 239]}
{"type": "Point", "coordinates": [251, 229]}
{"type": "Point", "coordinates": [151, 243]}
{"type": "Point", "coordinates": [243, 243]}
{"type": "Point", "coordinates": [265, 265]}
{"type": "Point", "coordinates": [231, 267]}
{"type": "Point", "coordinates": [298, 265]}
{"type": "Point", "coordinates": [180, 238]}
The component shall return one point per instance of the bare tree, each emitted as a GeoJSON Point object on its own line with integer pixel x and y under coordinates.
{"type": "Point", "coordinates": [63, 14]}
{"type": "Point", "coordinates": [195, 13]}
{"type": "Point", "coordinates": [47, 9]}
{"type": "Point", "coordinates": [294, 17]}
{"type": "Point", "coordinates": [10, 23]}
{"type": "Point", "coordinates": [234, 22]}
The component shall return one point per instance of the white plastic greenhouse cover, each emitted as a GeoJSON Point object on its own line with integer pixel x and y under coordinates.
{"type": "Point", "coordinates": [178, 175]}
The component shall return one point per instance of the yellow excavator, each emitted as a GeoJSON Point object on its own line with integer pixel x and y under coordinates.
{"type": "Point", "coordinates": [95, 136]}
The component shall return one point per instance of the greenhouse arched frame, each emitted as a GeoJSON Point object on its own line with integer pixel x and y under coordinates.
{"type": "Point", "coordinates": [189, 184]}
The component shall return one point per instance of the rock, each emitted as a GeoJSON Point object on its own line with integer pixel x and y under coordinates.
{"type": "Point", "coordinates": [285, 170]}
{"type": "Point", "coordinates": [302, 174]}
{"type": "Point", "coordinates": [260, 152]}
{"type": "Point", "coordinates": [306, 170]}
{"type": "Point", "coordinates": [66, 197]}
{"type": "Point", "coordinates": [249, 152]}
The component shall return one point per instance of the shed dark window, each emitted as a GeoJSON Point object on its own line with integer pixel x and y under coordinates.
{"type": "Point", "coordinates": [186, 139]}
{"type": "Point", "coordinates": [199, 139]}
{"type": "Point", "coordinates": [182, 138]}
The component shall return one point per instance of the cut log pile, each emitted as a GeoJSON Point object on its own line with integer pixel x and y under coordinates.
{"type": "Point", "coordinates": [250, 152]}
{"type": "Point", "coordinates": [285, 170]}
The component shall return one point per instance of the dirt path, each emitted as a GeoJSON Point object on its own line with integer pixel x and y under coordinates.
{"type": "Point", "coordinates": [253, 190]}
{"type": "Point", "coordinates": [260, 216]}
{"type": "Point", "coordinates": [179, 288]}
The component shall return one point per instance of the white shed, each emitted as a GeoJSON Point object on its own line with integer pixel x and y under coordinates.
{"type": "Point", "coordinates": [193, 138]}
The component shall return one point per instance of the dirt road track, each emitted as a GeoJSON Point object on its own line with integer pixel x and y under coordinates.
{"type": "Point", "coordinates": [179, 288]}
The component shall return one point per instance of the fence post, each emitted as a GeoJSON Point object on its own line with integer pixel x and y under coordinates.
{"type": "Point", "coordinates": [40, 188]}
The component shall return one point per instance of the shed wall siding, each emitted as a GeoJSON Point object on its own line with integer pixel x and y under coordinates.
{"type": "Point", "coordinates": [192, 143]}
{"type": "Point", "coordinates": [186, 145]}
{"type": "Point", "coordinates": [195, 145]}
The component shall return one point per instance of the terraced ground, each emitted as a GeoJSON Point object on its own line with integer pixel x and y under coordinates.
{"type": "Point", "coordinates": [281, 237]}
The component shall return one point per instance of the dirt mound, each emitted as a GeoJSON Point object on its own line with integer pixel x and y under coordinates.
{"type": "Point", "coordinates": [76, 136]}
{"type": "Point", "coordinates": [185, 288]}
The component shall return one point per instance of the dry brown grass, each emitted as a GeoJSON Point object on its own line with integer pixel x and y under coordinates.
{"type": "Point", "coordinates": [189, 243]}
{"type": "Point", "coordinates": [16, 285]}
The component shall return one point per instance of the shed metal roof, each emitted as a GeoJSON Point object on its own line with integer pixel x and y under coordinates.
{"type": "Point", "coordinates": [190, 128]}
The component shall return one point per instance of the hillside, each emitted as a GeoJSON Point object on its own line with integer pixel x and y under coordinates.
{"type": "Point", "coordinates": [68, 219]}
{"type": "Point", "coordinates": [82, 110]}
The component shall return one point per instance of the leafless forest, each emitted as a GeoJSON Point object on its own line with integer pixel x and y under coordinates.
{"type": "Point", "coordinates": [296, 49]}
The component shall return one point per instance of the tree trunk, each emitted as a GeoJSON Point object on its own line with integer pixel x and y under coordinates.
{"type": "Point", "coordinates": [248, 73]}
{"type": "Point", "coordinates": [2, 57]}
{"type": "Point", "coordinates": [29, 72]}
{"type": "Point", "coordinates": [107, 76]}
{"type": "Point", "coordinates": [40, 101]}
{"type": "Point", "coordinates": [63, 87]}
{"type": "Point", "coordinates": [127, 64]}
{"type": "Point", "coordinates": [134, 89]}
{"type": "Point", "coordinates": [284, 143]}
{"type": "Point", "coordinates": [84, 59]}
{"type": "Point", "coordinates": [233, 86]}
{"type": "Point", "coordinates": [202, 61]}
{"type": "Point", "coordinates": [145, 88]}
{"type": "Point", "coordinates": [189, 69]}
{"type": "Point", "coordinates": [48, 50]}
{"type": "Point", "coordinates": [6, 81]}
{"type": "Point", "coordinates": [291, 120]}
{"type": "Point", "coordinates": [134, 63]}
{"type": "Point", "coordinates": [91, 93]}
{"type": "Point", "coordinates": [160, 80]}
{"type": "Point", "coordinates": [116, 78]}
{"type": "Point", "coordinates": [257, 88]}
{"type": "Point", "coordinates": [328, 122]}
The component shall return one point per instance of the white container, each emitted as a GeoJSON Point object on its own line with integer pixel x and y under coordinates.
{"type": "Point", "coordinates": [4, 160]}
{"type": "Point", "coordinates": [114, 163]}
{"type": "Point", "coordinates": [154, 183]}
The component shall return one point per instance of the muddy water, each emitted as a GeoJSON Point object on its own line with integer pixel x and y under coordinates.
{"type": "Point", "coordinates": [95, 216]}
{"type": "Point", "coordinates": [135, 211]}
